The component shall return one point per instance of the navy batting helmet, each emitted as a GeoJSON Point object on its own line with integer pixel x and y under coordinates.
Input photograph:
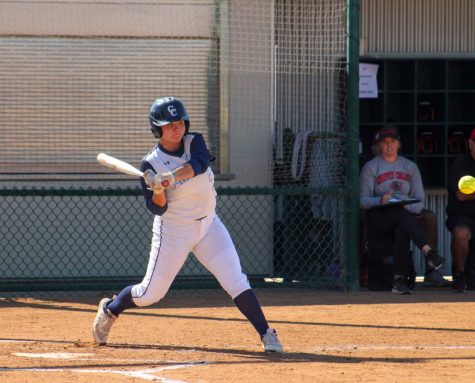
{"type": "Point", "coordinates": [165, 110]}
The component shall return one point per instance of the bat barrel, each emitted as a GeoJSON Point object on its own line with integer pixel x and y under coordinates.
{"type": "Point", "coordinates": [119, 165]}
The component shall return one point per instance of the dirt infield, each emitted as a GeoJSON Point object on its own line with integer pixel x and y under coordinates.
{"type": "Point", "coordinates": [201, 337]}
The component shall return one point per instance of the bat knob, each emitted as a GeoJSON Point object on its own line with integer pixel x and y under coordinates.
{"type": "Point", "coordinates": [165, 183]}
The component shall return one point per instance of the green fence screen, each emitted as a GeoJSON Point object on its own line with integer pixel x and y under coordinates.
{"type": "Point", "coordinates": [84, 239]}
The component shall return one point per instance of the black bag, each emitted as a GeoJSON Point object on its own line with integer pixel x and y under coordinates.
{"type": "Point", "coordinates": [379, 261]}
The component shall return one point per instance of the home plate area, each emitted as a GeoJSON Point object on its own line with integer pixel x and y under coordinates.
{"type": "Point", "coordinates": [87, 361]}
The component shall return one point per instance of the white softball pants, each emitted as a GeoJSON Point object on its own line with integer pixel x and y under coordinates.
{"type": "Point", "coordinates": [209, 241]}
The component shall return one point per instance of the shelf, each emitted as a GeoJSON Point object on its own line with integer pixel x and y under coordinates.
{"type": "Point", "coordinates": [400, 75]}
{"type": "Point", "coordinates": [431, 75]}
{"type": "Point", "coordinates": [372, 110]}
{"type": "Point", "coordinates": [461, 107]}
{"type": "Point", "coordinates": [430, 107]}
{"type": "Point", "coordinates": [433, 170]}
{"type": "Point", "coordinates": [399, 107]}
{"type": "Point", "coordinates": [430, 140]}
{"type": "Point", "coordinates": [461, 74]}
{"type": "Point", "coordinates": [455, 91]}
{"type": "Point", "coordinates": [407, 139]}
{"type": "Point", "coordinates": [432, 102]}
{"type": "Point", "coordinates": [457, 139]}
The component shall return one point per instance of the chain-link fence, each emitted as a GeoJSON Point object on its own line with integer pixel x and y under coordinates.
{"type": "Point", "coordinates": [83, 239]}
{"type": "Point", "coordinates": [266, 84]}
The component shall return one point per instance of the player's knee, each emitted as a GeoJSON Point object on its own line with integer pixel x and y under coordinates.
{"type": "Point", "coordinates": [428, 216]}
{"type": "Point", "coordinates": [237, 287]}
{"type": "Point", "coordinates": [147, 300]}
{"type": "Point", "coordinates": [461, 234]}
{"type": "Point", "coordinates": [143, 296]}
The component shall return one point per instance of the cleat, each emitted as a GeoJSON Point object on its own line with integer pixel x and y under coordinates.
{"type": "Point", "coordinates": [271, 342]}
{"type": "Point", "coordinates": [459, 283]}
{"type": "Point", "coordinates": [400, 287]}
{"type": "Point", "coordinates": [103, 322]}
{"type": "Point", "coordinates": [434, 260]}
{"type": "Point", "coordinates": [435, 279]}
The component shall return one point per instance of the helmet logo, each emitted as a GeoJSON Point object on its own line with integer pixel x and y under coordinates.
{"type": "Point", "coordinates": [171, 109]}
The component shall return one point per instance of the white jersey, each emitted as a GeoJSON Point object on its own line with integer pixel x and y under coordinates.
{"type": "Point", "coordinates": [188, 200]}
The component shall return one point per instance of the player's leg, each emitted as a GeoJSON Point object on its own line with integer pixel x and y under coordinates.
{"type": "Point", "coordinates": [460, 247]}
{"type": "Point", "coordinates": [461, 229]}
{"type": "Point", "coordinates": [164, 265]}
{"type": "Point", "coordinates": [401, 256]}
{"type": "Point", "coordinates": [428, 221]}
{"type": "Point", "coordinates": [382, 222]}
{"type": "Point", "coordinates": [162, 268]}
{"type": "Point", "coordinates": [216, 251]}
{"type": "Point", "coordinates": [102, 322]}
{"type": "Point", "coordinates": [108, 311]}
{"type": "Point", "coordinates": [169, 250]}
{"type": "Point", "coordinates": [249, 306]}
{"type": "Point", "coordinates": [385, 220]}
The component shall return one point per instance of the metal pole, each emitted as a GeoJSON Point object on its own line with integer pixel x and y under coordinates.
{"type": "Point", "coordinates": [352, 170]}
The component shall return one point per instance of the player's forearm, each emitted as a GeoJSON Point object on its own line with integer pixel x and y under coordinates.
{"type": "Point", "coordinates": [184, 172]}
{"type": "Point", "coordinates": [159, 198]}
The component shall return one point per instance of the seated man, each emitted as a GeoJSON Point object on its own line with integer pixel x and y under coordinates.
{"type": "Point", "coordinates": [461, 219]}
{"type": "Point", "coordinates": [389, 176]}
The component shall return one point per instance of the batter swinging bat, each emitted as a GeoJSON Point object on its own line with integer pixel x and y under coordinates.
{"type": "Point", "coordinates": [119, 165]}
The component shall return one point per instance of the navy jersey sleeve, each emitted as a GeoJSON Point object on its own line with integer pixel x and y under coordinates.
{"type": "Point", "coordinates": [148, 194]}
{"type": "Point", "coordinates": [200, 157]}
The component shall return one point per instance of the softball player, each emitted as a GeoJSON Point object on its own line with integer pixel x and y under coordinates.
{"type": "Point", "coordinates": [178, 187]}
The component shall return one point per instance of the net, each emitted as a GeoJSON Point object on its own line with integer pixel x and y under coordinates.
{"type": "Point", "coordinates": [78, 78]}
{"type": "Point", "coordinates": [262, 80]}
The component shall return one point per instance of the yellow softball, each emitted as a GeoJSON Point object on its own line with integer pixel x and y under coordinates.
{"type": "Point", "coordinates": [467, 184]}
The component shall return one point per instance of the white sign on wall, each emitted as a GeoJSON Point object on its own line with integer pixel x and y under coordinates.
{"type": "Point", "coordinates": [368, 80]}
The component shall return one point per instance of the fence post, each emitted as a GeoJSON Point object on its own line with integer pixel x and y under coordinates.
{"type": "Point", "coordinates": [352, 169]}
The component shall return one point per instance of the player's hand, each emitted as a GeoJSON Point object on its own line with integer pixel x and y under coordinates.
{"type": "Point", "coordinates": [159, 181]}
{"type": "Point", "coordinates": [166, 180]}
{"type": "Point", "coordinates": [464, 197]}
{"type": "Point", "coordinates": [385, 198]}
{"type": "Point", "coordinates": [150, 178]}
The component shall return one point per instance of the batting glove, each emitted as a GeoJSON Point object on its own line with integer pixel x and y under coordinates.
{"type": "Point", "coordinates": [150, 178]}
{"type": "Point", "coordinates": [159, 181]}
{"type": "Point", "coordinates": [166, 180]}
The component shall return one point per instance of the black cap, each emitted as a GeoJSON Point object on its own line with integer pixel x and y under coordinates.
{"type": "Point", "coordinates": [387, 131]}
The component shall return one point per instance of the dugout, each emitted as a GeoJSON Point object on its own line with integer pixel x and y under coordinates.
{"type": "Point", "coordinates": [426, 88]}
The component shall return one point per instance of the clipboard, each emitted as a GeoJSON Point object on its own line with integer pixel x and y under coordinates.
{"type": "Point", "coordinates": [397, 202]}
